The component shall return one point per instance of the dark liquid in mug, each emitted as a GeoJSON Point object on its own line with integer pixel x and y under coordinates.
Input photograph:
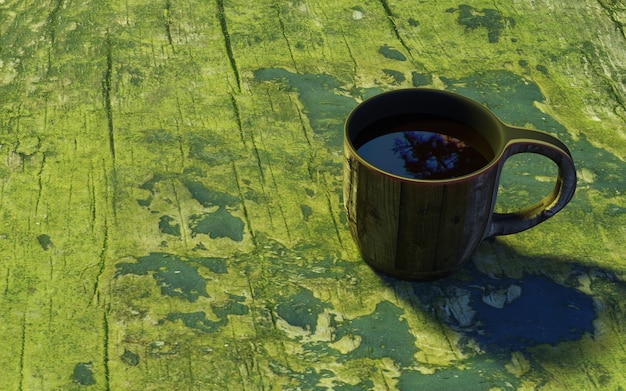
{"type": "Point", "coordinates": [424, 148]}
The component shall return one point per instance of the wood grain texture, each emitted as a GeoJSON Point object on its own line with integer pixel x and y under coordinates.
{"type": "Point", "coordinates": [171, 214]}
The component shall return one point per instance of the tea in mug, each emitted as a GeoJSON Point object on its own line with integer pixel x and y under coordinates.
{"type": "Point", "coordinates": [424, 148]}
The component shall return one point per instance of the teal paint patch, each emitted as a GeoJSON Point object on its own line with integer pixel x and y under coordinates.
{"type": "Point", "coordinates": [218, 224]}
{"type": "Point", "coordinates": [145, 203]}
{"type": "Point", "coordinates": [168, 226]}
{"type": "Point", "coordinates": [488, 18]}
{"type": "Point", "coordinates": [396, 76]}
{"type": "Point", "coordinates": [475, 375]}
{"type": "Point", "coordinates": [310, 379]}
{"type": "Point", "coordinates": [207, 197]}
{"type": "Point", "coordinates": [371, 92]}
{"type": "Point", "coordinates": [197, 321]}
{"type": "Point", "coordinates": [233, 307]}
{"type": "Point", "coordinates": [176, 277]}
{"type": "Point", "coordinates": [391, 53]}
{"type": "Point", "coordinates": [328, 267]}
{"type": "Point", "coordinates": [307, 211]}
{"type": "Point", "coordinates": [302, 310]}
{"type": "Point", "coordinates": [306, 260]}
{"type": "Point", "coordinates": [134, 75]}
{"type": "Point", "coordinates": [512, 98]}
{"type": "Point", "coordinates": [615, 210]}
{"type": "Point", "coordinates": [159, 136]}
{"type": "Point", "coordinates": [384, 333]}
{"type": "Point", "coordinates": [209, 148]}
{"type": "Point", "coordinates": [413, 22]}
{"type": "Point", "coordinates": [365, 384]}
{"type": "Point", "coordinates": [151, 183]}
{"type": "Point", "coordinates": [44, 241]}
{"type": "Point", "coordinates": [179, 277]}
{"type": "Point", "coordinates": [255, 196]}
{"type": "Point", "coordinates": [508, 95]}
{"type": "Point", "coordinates": [83, 374]}
{"type": "Point", "coordinates": [325, 109]}
{"type": "Point", "coordinates": [421, 79]}
{"type": "Point", "coordinates": [215, 265]}
{"type": "Point", "coordinates": [130, 358]}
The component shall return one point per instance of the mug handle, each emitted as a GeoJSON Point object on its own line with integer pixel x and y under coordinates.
{"type": "Point", "coordinates": [531, 141]}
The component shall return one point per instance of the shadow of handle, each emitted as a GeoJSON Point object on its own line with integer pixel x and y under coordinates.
{"type": "Point", "coordinates": [532, 141]}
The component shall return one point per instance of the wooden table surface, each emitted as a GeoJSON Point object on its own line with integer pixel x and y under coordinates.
{"type": "Point", "coordinates": [171, 213]}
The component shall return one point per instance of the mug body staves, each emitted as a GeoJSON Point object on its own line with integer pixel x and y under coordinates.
{"type": "Point", "coordinates": [416, 230]}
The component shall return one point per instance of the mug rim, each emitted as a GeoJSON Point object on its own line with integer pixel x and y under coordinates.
{"type": "Point", "coordinates": [473, 109]}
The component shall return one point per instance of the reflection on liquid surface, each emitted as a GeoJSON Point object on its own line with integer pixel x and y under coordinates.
{"type": "Point", "coordinates": [421, 154]}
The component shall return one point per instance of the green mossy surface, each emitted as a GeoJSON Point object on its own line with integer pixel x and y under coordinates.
{"type": "Point", "coordinates": [171, 197]}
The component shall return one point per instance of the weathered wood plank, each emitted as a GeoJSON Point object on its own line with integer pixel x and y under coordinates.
{"type": "Point", "coordinates": [56, 192]}
{"type": "Point", "coordinates": [170, 185]}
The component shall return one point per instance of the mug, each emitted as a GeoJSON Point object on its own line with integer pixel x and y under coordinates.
{"type": "Point", "coordinates": [420, 211]}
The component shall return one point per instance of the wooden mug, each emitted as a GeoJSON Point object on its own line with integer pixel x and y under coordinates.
{"type": "Point", "coordinates": [422, 229]}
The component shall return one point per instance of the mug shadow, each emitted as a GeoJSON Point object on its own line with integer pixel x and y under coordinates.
{"type": "Point", "coordinates": [504, 303]}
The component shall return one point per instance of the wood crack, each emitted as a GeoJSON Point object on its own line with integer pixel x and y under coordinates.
{"type": "Point", "coordinates": [105, 343]}
{"type": "Point", "coordinates": [257, 155]}
{"type": "Point", "coordinates": [50, 312]}
{"type": "Point", "coordinates": [246, 215]}
{"type": "Point", "coordinates": [238, 118]}
{"type": "Point", "coordinates": [350, 54]}
{"type": "Point", "coordinates": [221, 15]}
{"type": "Point", "coordinates": [53, 18]}
{"type": "Point", "coordinates": [275, 185]}
{"type": "Point", "coordinates": [7, 280]}
{"type": "Point", "coordinates": [167, 14]}
{"type": "Point", "coordinates": [101, 262]}
{"type": "Point", "coordinates": [302, 122]}
{"type": "Point", "coordinates": [106, 91]}
{"type": "Point", "coordinates": [22, 351]}
{"type": "Point", "coordinates": [183, 226]}
{"type": "Point", "coordinates": [331, 212]}
{"type": "Point", "coordinates": [281, 23]}
{"type": "Point", "coordinates": [39, 178]}
{"type": "Point", "coordinates": [105, 239]}
{"type": "Point", "coordinates": [92, 200]}
{"type": "Point", "coordinates": [394, 28]}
